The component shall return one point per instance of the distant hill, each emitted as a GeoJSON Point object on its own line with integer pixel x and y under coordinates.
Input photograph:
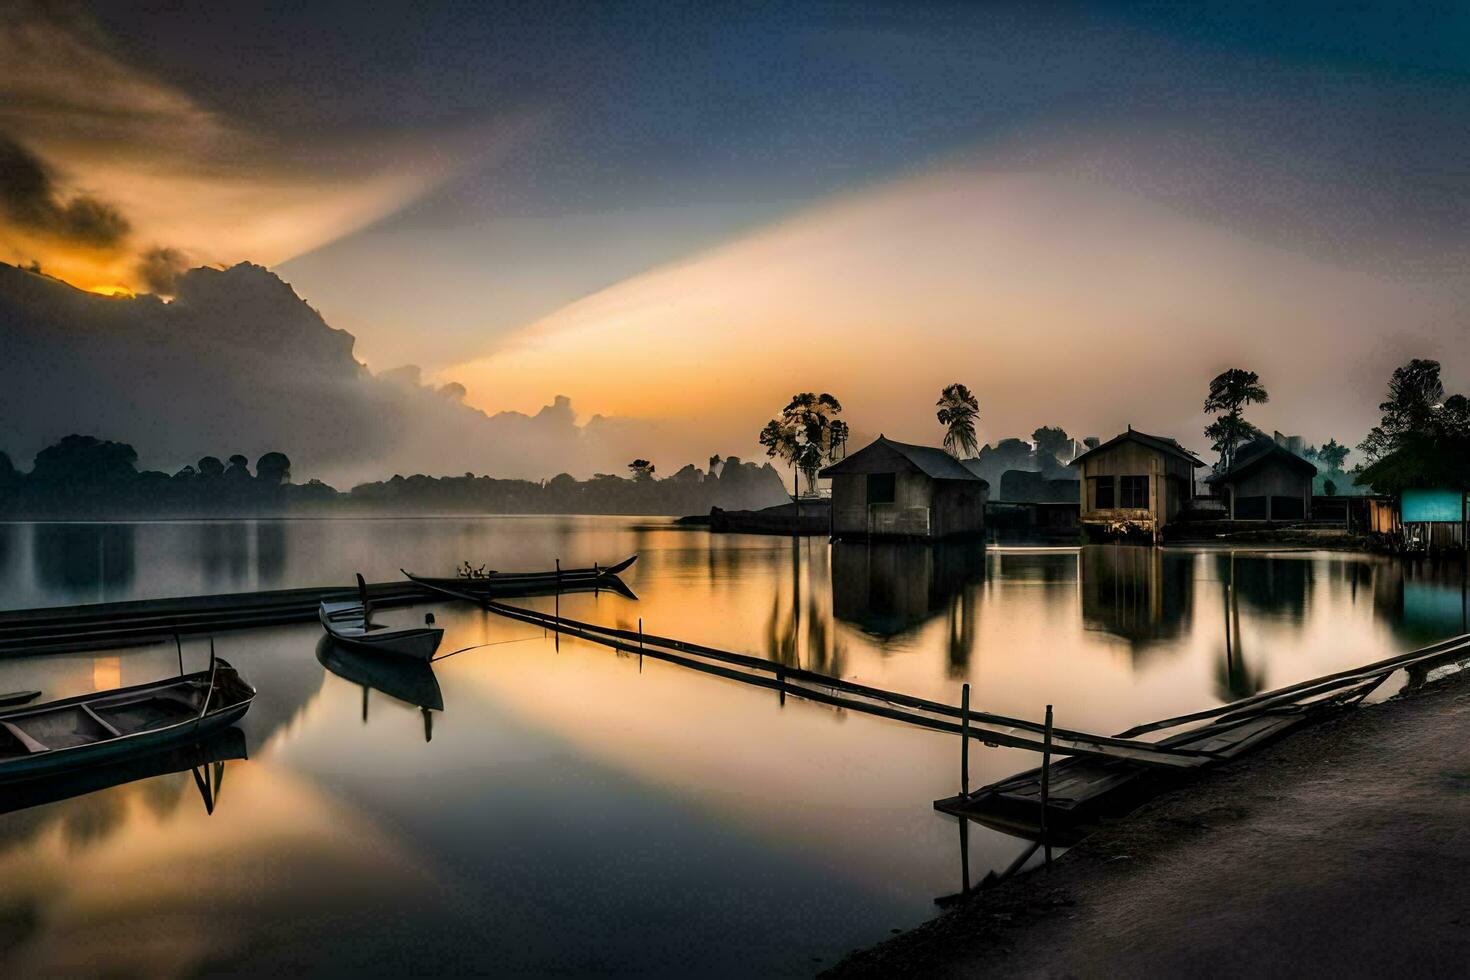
{"type": "Point", "coordinates": [238, 362]}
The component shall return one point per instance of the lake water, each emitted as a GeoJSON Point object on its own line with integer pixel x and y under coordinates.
{"type": "Point", "coordinates": [576, 814]}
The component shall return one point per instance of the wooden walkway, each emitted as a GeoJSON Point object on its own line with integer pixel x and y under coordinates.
{"type": "Point", "coordinates": [986, 727]}
{"type": "Point", "coordinates": [1082, 791]}
{"type": "Point", "coordinates": [58, 629]}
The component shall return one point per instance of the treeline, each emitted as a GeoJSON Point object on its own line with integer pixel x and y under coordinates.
{"type": "Point", "coordinates": [82, 477]}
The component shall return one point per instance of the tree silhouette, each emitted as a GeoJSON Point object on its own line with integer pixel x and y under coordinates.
{"type": "Point", "coordinates": [642, 469]}
{"type": "Point", "coordinates": [1230, 392]}
{"type": "Point", "coordinates": [1052, 440]}
{"type": "Point", "coordinates": [959, 410]}
{"type": "Point", "coordinates": [210, 467]}
{"type": "Point", "coordinates": [1332, 455]}
{"type": "Point", "coordinates": [273, 469]}
{"type": "Point", "coordinates": [85, 460]}
{"type": "Point", "coordinates": [802, 436]}
{"type": "Point", "coordinates": [1423, 439]}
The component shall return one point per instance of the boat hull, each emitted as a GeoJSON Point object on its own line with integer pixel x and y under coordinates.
{"type": "Point", "coordinates": [55, 760]}
{"type": "Point", "coordinates": [416, 643]}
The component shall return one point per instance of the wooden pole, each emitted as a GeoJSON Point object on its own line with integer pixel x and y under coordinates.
{"type": "Point", "coordinates": [640, 644]}
{"type": "Point", "coordinates": [1046, 783]}
{"type": "Point", "coordinates": [557, 602]}
{"type": "Point", "coordinates": [965, 740]}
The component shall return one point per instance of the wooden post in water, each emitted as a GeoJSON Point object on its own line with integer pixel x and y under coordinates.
{"type": "Point", "coordinates": [557, 641]}
{"type": "Point", "coordinates": [965, 740]}
{"type": "Point", "coordinates": [781, 680]}
{"type": "Point", "coordinates": [1046, 784]}
{"type": "Point", "coordinates": [640, 644]}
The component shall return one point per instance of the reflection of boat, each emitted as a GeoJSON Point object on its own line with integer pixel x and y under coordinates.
{"type": "Point", "coordinates": [218, 748]}
{"type": "Point", "coordinates": [105, 725]}
{"type": "Point", "coordinates": [18, 697]}
{"type": "Point", "coordinates": [412, 681]}
{"type": "Point", "coordinates": [507, 584]}
{"type": "Point", "coordinates": [351, 624]}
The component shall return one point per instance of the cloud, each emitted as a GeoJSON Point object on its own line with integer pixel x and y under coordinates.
{"type": "Point", "coordinates": [1058, 299]}
{"type": "Point", "coordinates": [159, 269]}
{"type": "Point", "coordinates": [140, 152]}
{"type": "Point", "coordinates": [237, 362]}
{"type": "Point", "coordinates": [29, 198]}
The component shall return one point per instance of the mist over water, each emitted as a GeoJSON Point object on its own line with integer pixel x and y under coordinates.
{"type": "Point", "coordinates": [607, 815]}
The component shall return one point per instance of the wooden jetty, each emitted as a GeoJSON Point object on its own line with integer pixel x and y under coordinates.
{"type": "Point", "coordinates": [812, 686]}
{"type": "Point", "coordinates": [1067, 797]}
{"type": "Point", "coordinates": [108, 624]}
{"type": "Point", "coordinates": [1052, 803]}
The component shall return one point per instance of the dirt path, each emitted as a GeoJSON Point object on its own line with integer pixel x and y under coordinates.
{"type": "Point", "coordinates": [1342, 850]}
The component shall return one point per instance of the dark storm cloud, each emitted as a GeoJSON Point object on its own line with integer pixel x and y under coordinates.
{"type": "Point", "coordinates": [30, 199]}
{"type": "Point", "coordinates": [160, 268]}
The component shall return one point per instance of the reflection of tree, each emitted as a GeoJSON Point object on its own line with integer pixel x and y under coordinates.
{"type": "Point", "coordinates": [84, 559]}
{"type": "Point", "coordinates": [1234, 678]}
{"type": "Point", "coordinates": [961, 634]}
{"type": "Point", "coordinates": [814, 648]}
{"type": "Point", "coordinates": [1276, 585]}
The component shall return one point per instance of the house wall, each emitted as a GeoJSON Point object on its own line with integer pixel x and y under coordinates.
{"type": "Point", "coordinates": [1168, 483]}
{"type": "Point", "coordinates": [922, 508]}
{"type": "Point", "coordinates": [910, 514]}
{"type": "Point", "coordinates": [959, 508]}
{"type": "Point", "coordinates": [1273, 478]}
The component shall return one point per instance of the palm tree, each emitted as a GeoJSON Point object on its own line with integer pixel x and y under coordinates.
{"type": "Point", "coordinates": [1230, 392]}
{"type": "Point", "coordinates": [958, 412]}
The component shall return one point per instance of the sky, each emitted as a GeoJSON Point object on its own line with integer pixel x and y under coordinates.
{"type": "Point", "coordinates": [684, 213]}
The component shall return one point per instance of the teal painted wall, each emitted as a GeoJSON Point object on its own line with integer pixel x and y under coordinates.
{"type": "Point", "coordinates": [1436, 506]}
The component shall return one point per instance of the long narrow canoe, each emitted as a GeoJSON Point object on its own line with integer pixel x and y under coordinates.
{"type": "Point", "coordinates": [104, 726]}
{"type": "Point", "coordinates": [516, 584]}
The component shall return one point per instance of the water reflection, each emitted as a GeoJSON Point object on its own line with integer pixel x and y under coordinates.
{"type": "Point", "coordinates": [1424, 600]}
{"type": "Point", "coordinates": [1140, 594]}
{"type": "Point", "coordinates": [1234, 677]}
{"type": "Point", "coordinates": [224, 554]}
{"type": "Point", "coordinates": [91, 804]}
{"type": "Point", "coordinates": [891, 589]}
{"type": "Point", "coordinates": [798, 632]}
{"type": "Point", "coordinates": [270, 553]}
{"type": "Point", "coordinates": [1274, 585]}
{"type": "Point", "coordinates": [410, 681]}
{"type": "Point", "coordinates": [86, 562]}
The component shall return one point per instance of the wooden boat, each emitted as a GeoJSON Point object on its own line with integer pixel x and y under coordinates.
{"type": "Point", "coordinates": [494, 584]}
{"type": "Point", "coordinates": [104, 726]}
{"type": "Point", "coordinates": [351, 624]}
{"type": "Point", "coordinates": [411, 681]}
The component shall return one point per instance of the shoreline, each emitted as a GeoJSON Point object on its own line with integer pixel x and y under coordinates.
{"type": "Point", "coordinates": [1338, 849]}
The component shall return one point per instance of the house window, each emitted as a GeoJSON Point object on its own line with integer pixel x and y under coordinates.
{"type": "Point", "coordinates": [1133, 492]}
{"type": "Point", "coordinates": [1104, 494]}
{"type": "Point", "coordinates": [882, 488]}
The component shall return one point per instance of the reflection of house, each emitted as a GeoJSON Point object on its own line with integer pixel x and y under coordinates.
{"type": "Point", "coordinates": [887, 588]}
{"type": "Point", "coordinates": [1266, 482]}
{"type": "Point", "coordinates": [893, 489]}
{"type": "Point", "coordinates": [1136, 478]}
{"type": "Point", "coordinates": [1144, 595]}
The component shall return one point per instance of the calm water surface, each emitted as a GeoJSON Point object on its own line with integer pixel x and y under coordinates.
{"type": "Point", "coordinates": [575, 814]}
